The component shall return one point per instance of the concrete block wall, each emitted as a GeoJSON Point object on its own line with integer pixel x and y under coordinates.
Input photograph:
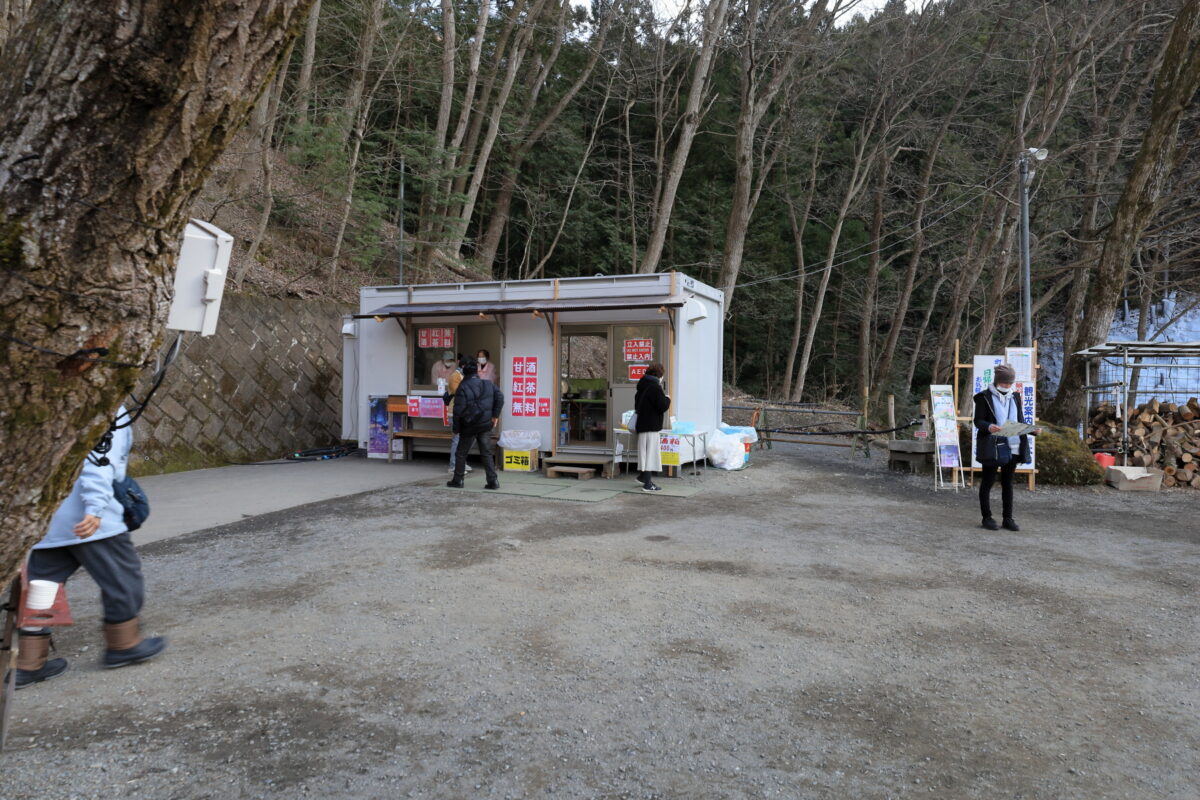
{"type": "Point", "coordinates": [268, 382]}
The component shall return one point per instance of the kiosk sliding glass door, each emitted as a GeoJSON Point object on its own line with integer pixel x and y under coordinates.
{"type": "Point", "coordinates": [634, 347]}
{"type": "Point", "coordinates": [584, 381]}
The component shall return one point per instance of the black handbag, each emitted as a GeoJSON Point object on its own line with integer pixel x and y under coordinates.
{"type": "Point", "coordinates": [1004, 452]}
{"type": "Point", "coordinates": [133, 500]}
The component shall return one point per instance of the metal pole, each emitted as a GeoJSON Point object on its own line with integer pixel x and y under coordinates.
{"type": "Point", "coordinates": [1026, 297]}
{"type": "Point", "coordinates": [1125, 416]}
{"type": "Point", "coordinates": [401, 226]}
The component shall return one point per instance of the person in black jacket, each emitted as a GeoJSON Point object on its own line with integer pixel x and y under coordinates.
{"type": "Point", "coordinates": [995, 406]}
{"type": "Point", "coordinates": [650, 402]}
{"type": "Point", "coordinates": [477, 406]}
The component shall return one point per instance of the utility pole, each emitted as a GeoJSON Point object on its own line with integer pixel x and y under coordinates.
{"type": "Point", "coordinates": [1026, 290]}
{"type": "Point", "coordinates": [400, 225]}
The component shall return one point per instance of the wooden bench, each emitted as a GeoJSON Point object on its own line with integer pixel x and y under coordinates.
{"type": "Point", "coordinates": [408, 434]}
{"type": "Point", "coordinates": [582, 473]}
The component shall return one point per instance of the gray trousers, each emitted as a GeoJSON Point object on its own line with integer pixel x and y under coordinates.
{"type": "Point", "coordinates": [113, 564]}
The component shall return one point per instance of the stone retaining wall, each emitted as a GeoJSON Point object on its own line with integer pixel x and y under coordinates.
{"type": "Point", "coordinates": [267, 383]}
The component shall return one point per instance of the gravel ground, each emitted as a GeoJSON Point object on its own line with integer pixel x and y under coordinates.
{"type": "Point", "coordinates": [812, 627]}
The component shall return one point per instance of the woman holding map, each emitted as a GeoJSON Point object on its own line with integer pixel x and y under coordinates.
{"type": "Point", "coordinates": [1001, 443]}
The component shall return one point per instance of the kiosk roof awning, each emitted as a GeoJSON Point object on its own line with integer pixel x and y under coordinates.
{"type": "Point", "coordinates": [523, 306]}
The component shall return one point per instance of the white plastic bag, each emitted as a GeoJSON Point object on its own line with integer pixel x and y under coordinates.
{"type": "Point", "coordinates": [520, 440]}
{"type": "Point", "coordinates": [751, 435]}
{"type": "Point", "coordinates": [725, 451]}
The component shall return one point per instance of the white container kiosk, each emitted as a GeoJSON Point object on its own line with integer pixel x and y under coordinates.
{"type": "Point", "coordinates": [568, 354]}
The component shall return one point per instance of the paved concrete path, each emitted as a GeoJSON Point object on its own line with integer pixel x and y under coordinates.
{"type": "Point", "coordinates": [183, 502]}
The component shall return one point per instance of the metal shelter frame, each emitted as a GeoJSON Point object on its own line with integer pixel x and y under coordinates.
{"type": "Point", "coordinates": [1119, 354]}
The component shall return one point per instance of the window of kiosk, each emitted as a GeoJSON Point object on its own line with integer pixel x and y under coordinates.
{"type": "Point", "coordinates": [435, 355]}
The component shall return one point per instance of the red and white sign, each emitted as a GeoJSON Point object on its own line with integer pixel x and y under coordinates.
{"type": "Point", "coordinates": [524, 380]}
{"type": "Point", "coordinates": [426, 407]}
{"type": "Point", "coordinates": [636, 371]}
{"type": "Point", "coordinates": [638, 349]}
{"type": "Point", "coordinates": [543, 406]}
{"type": "Point", "coordinates": [518, 407]}
{"type": "Point", "coordinates": [435, 337]}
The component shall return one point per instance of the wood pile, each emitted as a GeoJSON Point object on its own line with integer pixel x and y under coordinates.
{"type": "Point", "coordinates": [1161, 435]}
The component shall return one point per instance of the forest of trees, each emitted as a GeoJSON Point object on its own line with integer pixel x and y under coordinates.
{"type": "Point", "coordinates": [848, 179]}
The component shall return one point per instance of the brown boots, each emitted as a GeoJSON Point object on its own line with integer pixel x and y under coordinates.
{"type": "Point", "coordinates": [124, 644]}
{"type": "Point", "coordinates": [33, 661]}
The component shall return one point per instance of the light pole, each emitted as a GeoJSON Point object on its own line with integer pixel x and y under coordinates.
{"type": "Point", "coordinates": [1038, 154]}
{"type": "Point", "coordinates": [400, 252]}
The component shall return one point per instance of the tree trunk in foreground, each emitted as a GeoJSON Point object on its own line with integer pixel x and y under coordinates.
{"type": "Point", "coordinates": [112, 125]}
{"type": "Point", "coordinates": [1176, 84]}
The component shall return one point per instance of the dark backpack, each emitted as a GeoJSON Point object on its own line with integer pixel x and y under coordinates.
{"type": "Point", "coordinates": [471, 412]}
{"type": "Point", "coordinates": [133, 500]}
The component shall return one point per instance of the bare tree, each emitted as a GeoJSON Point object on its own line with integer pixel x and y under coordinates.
{"type": "Point", "coordinates": [1177, 83]}
{"type": "Point", "coordinates": [112, 126]}
{"type": "Point", "coordinates": [769, 46]}
{"type": "Point", "coordinates": [304, 82]}
{"type": "Point", "coordinates": [712, 25]}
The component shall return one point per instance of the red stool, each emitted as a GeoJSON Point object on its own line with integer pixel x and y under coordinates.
{"type": "Point", "coordinates": [57, 614]}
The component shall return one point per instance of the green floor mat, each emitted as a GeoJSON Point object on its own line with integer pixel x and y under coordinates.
{"type": "Point", "coordinates": [595, 490]}
{"type": "Point", "coordinates": [584, 493]}
{"type": "Point", "coordinates": [668, 490]}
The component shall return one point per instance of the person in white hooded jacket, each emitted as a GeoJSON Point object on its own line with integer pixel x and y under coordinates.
{"type": "Point", "coordinates": [88, 530]}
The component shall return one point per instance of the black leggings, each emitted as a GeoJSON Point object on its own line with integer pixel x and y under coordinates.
{"type": "Point", "coordinates": [1006, 488]}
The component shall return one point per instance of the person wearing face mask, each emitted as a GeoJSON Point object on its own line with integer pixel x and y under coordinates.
{"type": "Point", "coordinates": [995, 406]}
{"type": "Point", "coordinates": [650, 403]}
{"type": "Point", "coordinates": [487, 370]}
{"type": "Point", "coordinates": [440, 374]}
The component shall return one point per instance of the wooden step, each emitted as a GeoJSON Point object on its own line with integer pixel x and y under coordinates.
{"type": "Point", "coordinates": [577, 458]}
{"type": "Point", "coordinates": [582, 473]}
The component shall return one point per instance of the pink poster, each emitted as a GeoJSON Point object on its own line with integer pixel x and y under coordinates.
{"type": "Point", "coordinates": [432, 407]}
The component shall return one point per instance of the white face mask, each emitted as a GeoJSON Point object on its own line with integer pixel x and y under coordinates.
{"type": "Point", "coordinates": [1002, 391]}
{"type": "Point", "coordinates": [482, 360]}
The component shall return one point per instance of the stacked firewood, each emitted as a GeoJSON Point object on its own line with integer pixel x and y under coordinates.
{"type": "Point", "coordinates": [1162, 435]}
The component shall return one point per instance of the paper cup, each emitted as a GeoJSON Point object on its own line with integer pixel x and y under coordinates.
{"type": "Point", "coordinates": [41, 595]}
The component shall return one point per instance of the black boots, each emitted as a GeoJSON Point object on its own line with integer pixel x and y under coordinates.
{"type": "Point", "coordinates": [1010, 524]}
{"type": "Point", "coordinates": [455, 483]}
{"type": "Point", "coordinates": [124, 644]}
{"type": "Point", "coordinates": [33, 662]}
{"type": "Point", "coordinates": [492, 484]}
{"type": "Point", "coordinates": [989, 524]}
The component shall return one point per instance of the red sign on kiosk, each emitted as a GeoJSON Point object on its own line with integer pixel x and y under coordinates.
{"type": "Point", "coordinates": [435, 337]}
{"type": "Point", "coordinates": [525, 402]}
{"type": "Point", "coordinates": [638, 349]}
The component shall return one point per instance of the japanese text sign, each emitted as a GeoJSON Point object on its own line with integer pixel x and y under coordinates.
{"type": "Point", "coordinates": [638, 349]}
{"type": "Point", "coordinates": [435, 337]}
